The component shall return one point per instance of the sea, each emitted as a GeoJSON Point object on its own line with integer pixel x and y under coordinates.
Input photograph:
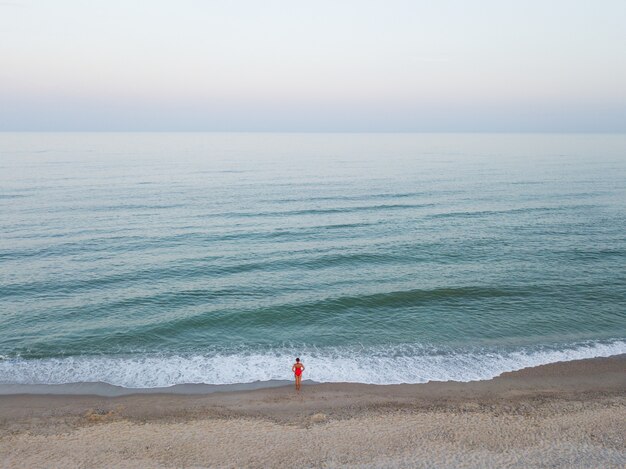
{"type": "Point", "coordinates": [147, 260]}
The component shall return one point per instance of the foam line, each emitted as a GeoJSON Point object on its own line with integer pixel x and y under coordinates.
{"type": "Point", "coordinates": [374, 365]}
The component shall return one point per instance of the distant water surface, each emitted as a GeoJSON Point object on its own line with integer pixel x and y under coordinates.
{"type": "Point", "coordinates": [148, 260]}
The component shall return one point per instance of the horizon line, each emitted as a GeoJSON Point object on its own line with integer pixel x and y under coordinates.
{"type": "Point", "coordinates": [568, 132]}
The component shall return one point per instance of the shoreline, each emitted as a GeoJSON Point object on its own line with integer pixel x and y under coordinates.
{"type": "Point", "coordinates": [402, 363]}
{"type": "Point", "coordinates": [567, 414]}
{"type": "Point", "coordinates": [102, 389]}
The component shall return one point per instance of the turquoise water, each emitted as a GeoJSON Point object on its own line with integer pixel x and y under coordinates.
{"type": "Point", "coordinates": [148, 260]}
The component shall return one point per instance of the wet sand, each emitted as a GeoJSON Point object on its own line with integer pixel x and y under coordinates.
{"type": "Point", "coordinates": [561, 415]}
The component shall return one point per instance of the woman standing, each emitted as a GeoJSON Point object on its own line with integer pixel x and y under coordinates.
{"type": "Point", "coordinates": [297, 369]}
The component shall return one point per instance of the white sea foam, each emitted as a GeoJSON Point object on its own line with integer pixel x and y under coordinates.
{"type": "Point", "coordinates": [376, 365]}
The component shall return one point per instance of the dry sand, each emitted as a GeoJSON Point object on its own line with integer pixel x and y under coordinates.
{"type": "Point", "coordinates": [562, 415]}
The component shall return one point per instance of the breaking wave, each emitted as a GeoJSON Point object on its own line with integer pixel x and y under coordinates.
{"type": "Point", "coordinates": [372, 365]}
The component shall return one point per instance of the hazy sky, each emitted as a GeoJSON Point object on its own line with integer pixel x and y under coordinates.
{"type": "Point", "coordinates": [323, 65]}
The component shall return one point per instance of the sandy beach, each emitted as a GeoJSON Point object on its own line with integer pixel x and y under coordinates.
{"type": "Point", "coordinates": [569, 414]}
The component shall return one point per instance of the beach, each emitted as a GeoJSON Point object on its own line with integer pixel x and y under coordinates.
{"type": "Point", "coordinates": [568, 414]}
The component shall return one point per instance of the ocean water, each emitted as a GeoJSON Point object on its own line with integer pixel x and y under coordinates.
{"type": "Point", "coordinates": [146, 260]}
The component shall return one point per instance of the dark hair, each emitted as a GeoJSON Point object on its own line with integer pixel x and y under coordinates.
{"type": "Point", "coordinates": [297, 359]}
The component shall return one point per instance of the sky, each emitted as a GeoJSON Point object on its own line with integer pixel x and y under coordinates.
{"type": "Point", "coordinates": [313, 66]}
